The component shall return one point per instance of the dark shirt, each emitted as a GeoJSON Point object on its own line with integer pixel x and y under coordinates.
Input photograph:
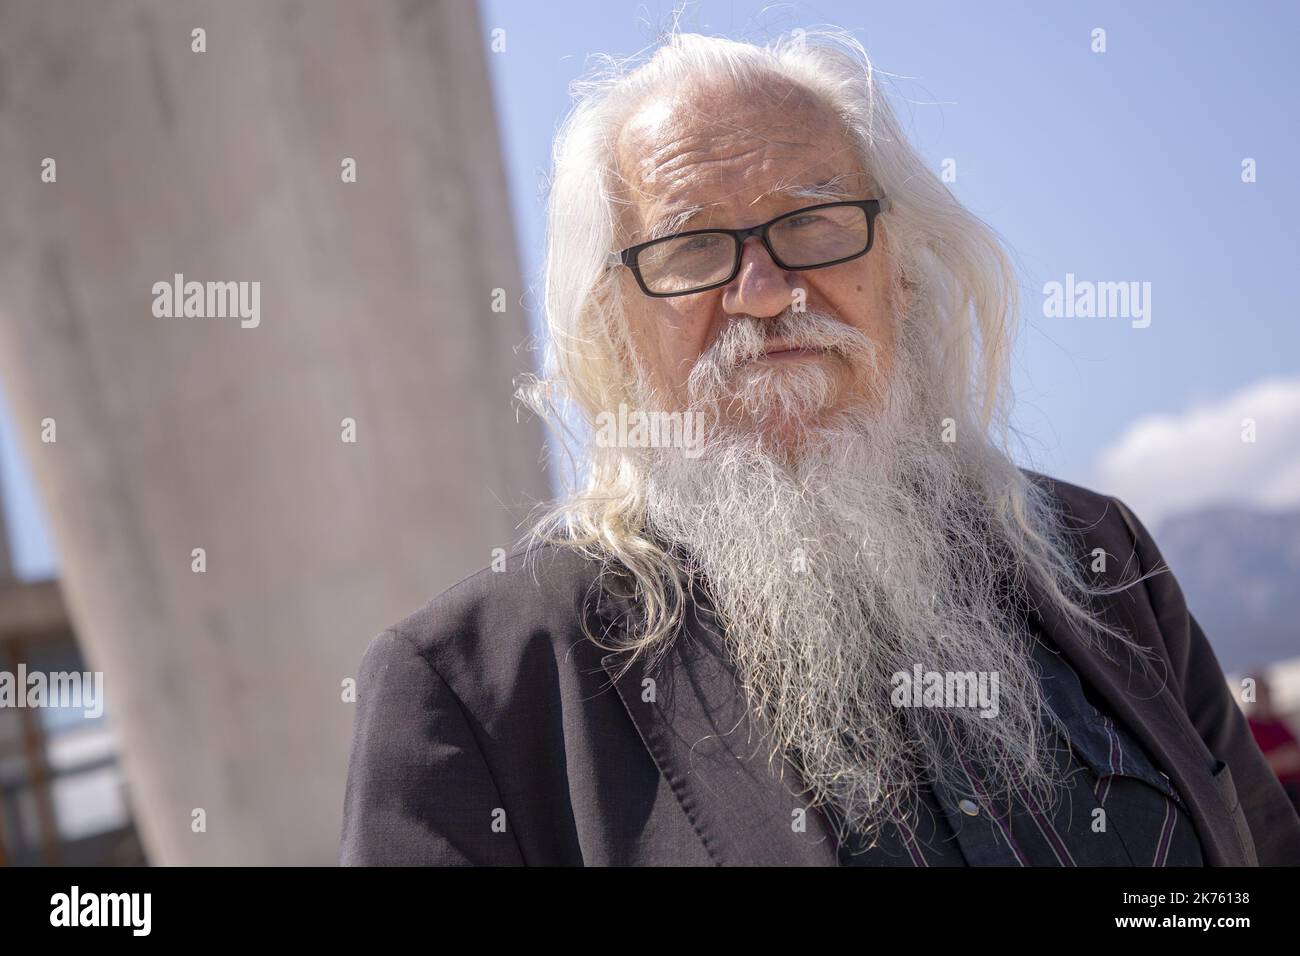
{"type": "Point", "coordinates": [1144, 822]}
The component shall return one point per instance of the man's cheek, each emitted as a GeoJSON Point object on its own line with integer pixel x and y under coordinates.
{"type": "Point", "coordinates": [682, 366]}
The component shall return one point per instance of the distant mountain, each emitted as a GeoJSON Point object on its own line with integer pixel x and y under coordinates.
{"type": "Point", "coordinates": [1240, 572]}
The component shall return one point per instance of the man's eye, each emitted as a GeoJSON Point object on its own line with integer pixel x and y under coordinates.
{"type": "Point", "coordinates": [803, 220]}
{"type": "Point", "coordinates": [699, 243]}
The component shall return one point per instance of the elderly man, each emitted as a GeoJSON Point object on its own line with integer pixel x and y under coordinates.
{"type": "Point", "coordinates": [842, 627]}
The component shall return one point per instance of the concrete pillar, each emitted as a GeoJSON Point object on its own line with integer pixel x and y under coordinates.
{"type": "Point", "coordinates": [173, 434]}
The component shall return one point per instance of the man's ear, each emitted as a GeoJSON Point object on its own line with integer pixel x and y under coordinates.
{"type": "Point", "coordinates": [904, 289]}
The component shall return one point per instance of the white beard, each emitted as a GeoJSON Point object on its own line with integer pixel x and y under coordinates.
{"type": "Point", "coordinates": [870, 552]}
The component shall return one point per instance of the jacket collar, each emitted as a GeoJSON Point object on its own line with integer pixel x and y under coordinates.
{"type": "Point", "coordinates": [691, 713]}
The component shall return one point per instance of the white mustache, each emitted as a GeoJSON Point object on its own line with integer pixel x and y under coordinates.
{"type": "Point", "coordinates": [747, 338]}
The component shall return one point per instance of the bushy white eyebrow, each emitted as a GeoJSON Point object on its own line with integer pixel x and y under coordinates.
{"type": "Point", "coordinates": [830, 191]}
{"type": "Point", "coordinates": [673, 222]}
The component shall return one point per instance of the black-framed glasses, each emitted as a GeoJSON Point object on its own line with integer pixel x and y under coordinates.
{"type": "Point", "coordinates": [701, 259]}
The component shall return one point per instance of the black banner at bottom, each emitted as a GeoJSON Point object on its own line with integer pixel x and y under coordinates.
{"type": "Point", "coordinates": [303, 905]}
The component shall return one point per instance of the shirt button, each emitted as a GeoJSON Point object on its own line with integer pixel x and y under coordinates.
{"type": "Point", "coordinates": [969, 807]}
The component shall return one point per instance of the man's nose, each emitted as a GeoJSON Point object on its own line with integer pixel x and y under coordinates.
{"type": "Point", "coordinates": [762, 288]}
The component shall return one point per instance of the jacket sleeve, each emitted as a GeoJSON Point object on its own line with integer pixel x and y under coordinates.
{"type": "Point", "coordinates": [1214, 713]}
{"type": "Point", "coordinates": [418, 790]}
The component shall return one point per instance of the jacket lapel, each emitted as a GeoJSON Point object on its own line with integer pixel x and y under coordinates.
{"type": "Point", "coordinates": [1146, 705]}
{"type": "Point", "coordinates": [691, 712]}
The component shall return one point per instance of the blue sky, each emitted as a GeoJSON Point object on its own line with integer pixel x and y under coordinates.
{"type": "Point", "coordinates": [1115, 166]}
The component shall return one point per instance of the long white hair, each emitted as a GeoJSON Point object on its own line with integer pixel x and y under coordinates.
{"type": "Point", "coordinates": [946, 256]}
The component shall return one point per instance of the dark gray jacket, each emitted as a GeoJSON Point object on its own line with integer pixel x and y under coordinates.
{"type": "Point", "coordinates": [490, 731]}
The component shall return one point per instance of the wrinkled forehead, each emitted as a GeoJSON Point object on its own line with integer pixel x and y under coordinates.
{"type": "Point", "coordinates": [728, 157]}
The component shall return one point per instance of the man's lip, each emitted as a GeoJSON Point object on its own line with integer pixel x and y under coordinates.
{"type": "Point", "coordinates": [791, 350]}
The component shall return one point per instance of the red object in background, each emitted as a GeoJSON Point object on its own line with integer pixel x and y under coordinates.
{"type": "Point", "coordinates": [1273, 735]}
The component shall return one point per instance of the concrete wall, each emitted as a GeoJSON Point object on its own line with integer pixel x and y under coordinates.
{"type": "Point", "coordinates": [182, 433]}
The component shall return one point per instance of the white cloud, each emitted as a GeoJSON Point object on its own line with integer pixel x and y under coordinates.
{"type": "Point", "coordinates": [1167, 464]}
